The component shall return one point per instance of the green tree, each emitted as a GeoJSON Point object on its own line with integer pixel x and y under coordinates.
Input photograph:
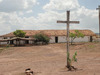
{"type": "Point", "coordinates": [40, 37]}
{"type": "Point", "coordinates": [77, 34]}
{"type": "Point", "coordinates": [19, 33]}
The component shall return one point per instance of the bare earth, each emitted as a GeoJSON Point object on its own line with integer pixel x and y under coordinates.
{"type": "Point", "coordinates": [50, 59]}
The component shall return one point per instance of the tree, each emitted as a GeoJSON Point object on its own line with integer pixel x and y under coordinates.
{"type": "Point", "coordinates": [77, 34]}
{"type": "Point", "coordinates": [19, 33]}
{"type": "Point", "coordinates": [40, 37]}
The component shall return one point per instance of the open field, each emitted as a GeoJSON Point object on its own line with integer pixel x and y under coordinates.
{"type": "Point", "coordinates": [50, 59]}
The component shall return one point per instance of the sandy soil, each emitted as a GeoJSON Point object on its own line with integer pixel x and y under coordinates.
{"type": "Point", "coordinates": [50, 59]}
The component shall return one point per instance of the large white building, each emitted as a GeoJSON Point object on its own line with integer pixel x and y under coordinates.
{"type": "Point", "coordinates": [56, 36]}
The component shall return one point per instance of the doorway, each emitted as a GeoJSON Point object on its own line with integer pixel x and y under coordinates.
{"type": "Point", "coordinates": [11, 42]}
{"type": "Point", "coordinates": [91, 38]}
{"type": "Point", "coordinates": [27, 42]}
{"type": "Point", "coordinates": [56, 39]}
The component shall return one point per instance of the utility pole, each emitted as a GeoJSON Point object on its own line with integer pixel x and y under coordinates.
{"type": "Point", "coordinates": [99, 18]}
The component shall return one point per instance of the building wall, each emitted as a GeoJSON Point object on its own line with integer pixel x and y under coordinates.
{"type": "Point", "coordinates": [1, 38]}
{"type": "Point", "coordinates": [62, 39]}
{"type": "Point", "coordinates": [52, 39]}
{"type": "Point", "coordinates": [22, 42]}
{"type": "Point", "coordinates": [96, 39]}
{"type": "Point", "coordinates": [2, 43]}
{"type": "Point", "coordinates": [85, 39]}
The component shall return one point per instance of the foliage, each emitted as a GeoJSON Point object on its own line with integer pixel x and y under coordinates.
{"type": "Point", "coordinates": [1, 49]}
{"type": "Point", "coordinates": [7, 46]}
{"type": "Point", "coordinates": [91, 46]}
{"type": "Point", "coordinates": [77, 34]}
{"type": "Point", "coordinates": [19, 33]}
{"type": "Point", "coordinates": [40, 37]}
{"type": "Point", "coordinates": [74, 59]}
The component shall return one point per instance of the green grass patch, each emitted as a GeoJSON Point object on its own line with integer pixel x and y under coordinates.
{"type": "Point", "coordinates": [91, 46]}
{"type": "Point", "coordinates": [1, 49]}
{"type": "Point", "coordinates": [4, 48]}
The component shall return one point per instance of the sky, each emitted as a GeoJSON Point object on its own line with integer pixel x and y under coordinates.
{"type": "Point", "coordinates": [43, 14]}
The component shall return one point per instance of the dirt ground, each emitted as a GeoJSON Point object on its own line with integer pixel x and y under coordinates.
{"type": "Point", "coordinates": [50, 59]}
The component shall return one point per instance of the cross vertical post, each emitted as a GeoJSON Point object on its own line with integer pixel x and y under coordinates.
{"type": "Point", "coordinates": [68, 18]}
{"type": "Point", "coordinates": [68, 22]}
{"type": "Point", "coordinates": [99, 19]}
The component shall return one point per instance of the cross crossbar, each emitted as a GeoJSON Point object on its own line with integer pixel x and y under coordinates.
{"type": "Point", "coordinates": [61, 21]}
{"type": "Point", "coordinates": [97, 8]}
{"type": "Point", "coordinates": [76, 22]}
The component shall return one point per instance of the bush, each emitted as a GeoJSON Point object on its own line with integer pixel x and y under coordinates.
{"type": "Point", "coordinates": [40, 37]}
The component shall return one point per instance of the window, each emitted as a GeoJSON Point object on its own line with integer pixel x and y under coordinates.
{"type": "Point", "coordinates": [26, 36]}
{"type": "Point", "coordinates": [11, 37]}
{"type": "Point", "coordinates": [5, 37]}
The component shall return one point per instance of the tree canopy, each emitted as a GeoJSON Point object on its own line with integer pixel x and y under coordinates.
{"type": "Point", "coordinates": [19, 33]}
{"type": "Point", "coordinates": [77, 34]}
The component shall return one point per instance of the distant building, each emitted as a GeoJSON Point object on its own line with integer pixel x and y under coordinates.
{"type": "Point", "coordinates": [56, 36]}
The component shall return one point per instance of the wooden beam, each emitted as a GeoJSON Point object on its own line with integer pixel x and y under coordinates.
{"type": "Point", "coordinates": [97, 8]}
{"type": "Point", "coordinates": [75, 22]}
{"type": "Point", "coordinates": [67, 21]}
{"type": "Point", "coordinates": [61, 21]}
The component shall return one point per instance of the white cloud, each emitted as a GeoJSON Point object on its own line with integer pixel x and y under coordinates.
{"type": "Point", "coordinates": [88, 18]}
{"type": "Point", "coordinates": [29, 11]}
{"type": "Point", "coordinates": [61, 5]}
{"type": "Point", "coordinates": [0, 0]}
{"type": "Point", "coordinates": [47, 20]}
{"type": "Point", "coordinates": [16, 5]}
{"type": "Point", "coordinates": [20, 13]}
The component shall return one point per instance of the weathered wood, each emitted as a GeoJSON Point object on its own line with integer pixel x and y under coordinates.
{"type": "Point", "coordinates": [75, 22]}
{"type": "Point", "coordinates": [99, 18]}
{"type": "Point", "coordinates": [68, 19]}
{"type": "Point", "coordinates": [68, 22]}
{"type": "Point", "coordinates": [98, 7]}
{"type": "Point", "coordinates": [61, 21]}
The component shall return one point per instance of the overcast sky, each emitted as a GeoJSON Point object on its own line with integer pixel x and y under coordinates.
{"type": "Point", "coordinates": [43, 14]}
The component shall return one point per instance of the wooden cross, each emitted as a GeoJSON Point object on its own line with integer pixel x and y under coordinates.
{"type": "Point", "coordinates": [68, 22]}
{"type": "Point", "coordinates": [99, 19]}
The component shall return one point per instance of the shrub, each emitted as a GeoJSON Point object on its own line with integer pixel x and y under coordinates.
{"type": "Point", "coordinates": [70, 61]}
{"type": "Point", "coordinates": [40, 37]}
